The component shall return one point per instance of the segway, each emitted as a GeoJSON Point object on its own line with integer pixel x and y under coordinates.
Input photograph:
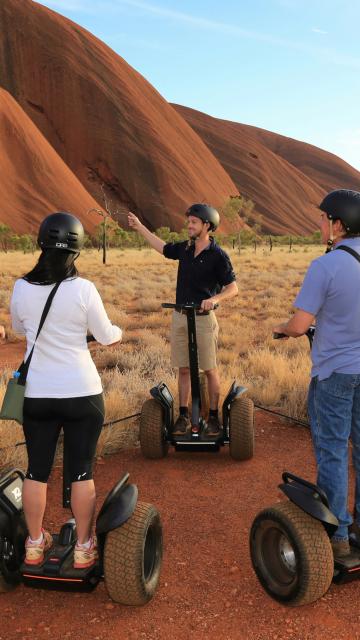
{"type": "Point", "coordinates": [129, 538]}
{"type": "Point", "coordinates": [290, 544]}
{"type": "Point", "coordinates": [157, 413]}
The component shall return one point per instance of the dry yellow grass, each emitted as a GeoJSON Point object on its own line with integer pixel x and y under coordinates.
{"type": "Point", "coordinates": [134, 284]}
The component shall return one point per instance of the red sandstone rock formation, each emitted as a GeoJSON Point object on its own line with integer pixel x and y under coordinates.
{"type": "Point", "coordinates": [285, 178]}
{"type": "Point", "coordinates": [34, 181]}
{"type": "Point", "coordinates": [110, 126]}
{"type": "Point", "coordinates": [103, 118]}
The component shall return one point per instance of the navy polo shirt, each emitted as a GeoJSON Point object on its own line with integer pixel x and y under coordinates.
{"type": "Point", "coordinates": [201, 277]}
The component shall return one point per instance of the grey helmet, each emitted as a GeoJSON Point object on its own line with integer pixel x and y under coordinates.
{"type": "Point", "coordinates": [206, 213]}
{"type": "Point", "coordinates": [61, 231]}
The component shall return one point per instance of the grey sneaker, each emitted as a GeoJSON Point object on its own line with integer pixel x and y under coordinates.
{"type": "Point", "coordinates": [182, 426]}
{"type": "Point", "coordinates": [85, 558]}
{"type": "Point", "coordinates": [341, 548]}
{"type": "Point", "coordinates": [35, 553]}
{"type": "Point", "coordinates": [213, 428]}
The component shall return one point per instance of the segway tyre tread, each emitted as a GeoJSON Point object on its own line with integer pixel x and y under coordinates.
{"type": "Point", "coordinates": [133, 556]}
{"type": "Point", "coordinates": [241, 429]}
{"type": "Point", "coordinates": [314, 556]}
{"type": "Point", "coordinates": [151, 434]}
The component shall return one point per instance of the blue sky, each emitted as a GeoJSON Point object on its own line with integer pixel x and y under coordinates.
{"type": "Point", "coordinates": [289, 66]}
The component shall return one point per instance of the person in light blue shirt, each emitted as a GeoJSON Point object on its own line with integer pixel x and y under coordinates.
{"type": "Point", "coordinates": [331, 294]}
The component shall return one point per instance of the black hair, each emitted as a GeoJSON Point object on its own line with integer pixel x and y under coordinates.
{"type": "Point", "coordinates": [54, 265]}
{"type": "Point", "coordinates": [347, 234]}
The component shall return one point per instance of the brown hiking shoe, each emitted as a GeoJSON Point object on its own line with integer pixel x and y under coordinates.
{"type": "Point", "coordinates": [354, 534]}
{"type": "Point", "coordinates": [35, 553]}
{"type": "Point", "coordinates": [213, 428]}
{"type": "Point", "coordinates": [182, 426]}
{"type": "Point", "coordinates": [341, 548]}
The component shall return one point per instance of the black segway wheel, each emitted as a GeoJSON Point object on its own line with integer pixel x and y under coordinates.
{"type": "Point", "coordinates": [291, 554]}
{"type": "Point", "coordinates": [152, 433]}
{"type": "Point", "coordinates": [241, 429]}
{"type": "Point", "coordinates": [133, 556]}
{"type": "Point", "coordinates": [9, 568]}
{"type": "Point", "coordinates": [6, 586]}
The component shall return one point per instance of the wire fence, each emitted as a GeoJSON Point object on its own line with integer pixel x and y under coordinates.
{"type": "Point", "coordinates": [110, 423]}
{"type": "Point", "coordinates": [283, 415]}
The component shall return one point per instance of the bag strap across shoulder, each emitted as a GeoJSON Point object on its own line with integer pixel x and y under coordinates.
{"type": "Point", "coordinates": [349, 250]}
{"type": "Point", "coordinates": [24, 367]}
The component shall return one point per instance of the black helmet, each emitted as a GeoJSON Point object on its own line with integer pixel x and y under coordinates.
{"type": "Point", "coordinates": [61, 231]}
{"type": "Point", "coordinates": [206, 213]}
{"type": "Point", "coordinates": [344, 205]}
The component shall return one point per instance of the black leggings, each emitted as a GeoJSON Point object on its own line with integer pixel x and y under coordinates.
{"type": "Point", "coordinates": [81, 420]}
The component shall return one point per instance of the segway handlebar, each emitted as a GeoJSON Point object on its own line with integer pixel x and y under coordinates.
{"type": "Point", "coordinates": [279, 336]}
{"type": "Point", "coordinates": [309, 333]}
{"type": "Point", "coordinates": [171, 305]}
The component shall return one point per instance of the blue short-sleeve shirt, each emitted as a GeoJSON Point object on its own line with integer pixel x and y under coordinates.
{"type": "Point", "coordinates": [331, 292]}
{"type": "Point", "coordinates": [200, 277]}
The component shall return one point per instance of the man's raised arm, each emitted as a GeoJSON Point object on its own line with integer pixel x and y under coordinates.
{"type": "Point", "coordinates": [150, 237]}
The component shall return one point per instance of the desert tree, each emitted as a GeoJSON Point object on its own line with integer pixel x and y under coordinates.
{"type": "Point", "coordinates": [240, 212]}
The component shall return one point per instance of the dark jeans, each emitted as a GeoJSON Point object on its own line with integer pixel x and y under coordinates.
{"type": "Point", "coordinates": [334, 410]}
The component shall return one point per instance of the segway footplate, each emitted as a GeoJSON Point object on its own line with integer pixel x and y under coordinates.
{"type": "Point", "coordinates": [197, 445]}
{"type": "Point", "coordinates": [57, 572]}
{"type": "Point", "coordinates": [347, 568]}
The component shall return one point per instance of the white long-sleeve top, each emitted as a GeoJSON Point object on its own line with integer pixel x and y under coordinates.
{"type": "Point", "coordinates": [61, 366]}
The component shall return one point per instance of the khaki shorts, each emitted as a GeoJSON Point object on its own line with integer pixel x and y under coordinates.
{"type": "Point", "coordinates": [207, 331]}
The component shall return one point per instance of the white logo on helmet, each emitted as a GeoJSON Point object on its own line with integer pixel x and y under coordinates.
{"type": "Point", "coordinates": [61, 245]}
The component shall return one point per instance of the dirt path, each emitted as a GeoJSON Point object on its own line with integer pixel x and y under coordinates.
{"type": "Point", "coordinates": [208, 588]}
{"type": "Point", "coordinates": [11, 354]}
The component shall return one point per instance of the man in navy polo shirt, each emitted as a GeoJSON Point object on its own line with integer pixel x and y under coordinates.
{"type": "Point", "coordinates": [330, 293]}
{"type": "Point", "coordinates": [205, 277]}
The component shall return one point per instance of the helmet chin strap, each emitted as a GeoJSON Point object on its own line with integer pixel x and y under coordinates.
{"type": "Point", "coordinates": [330, 242]}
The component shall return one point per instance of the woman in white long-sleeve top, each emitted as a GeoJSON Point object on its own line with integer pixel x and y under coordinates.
{"type": "Point", "coordinates": [63, 388]}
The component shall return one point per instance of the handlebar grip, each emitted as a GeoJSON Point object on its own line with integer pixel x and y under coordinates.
{"type": "Point", "coordinates": [197, 307]}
